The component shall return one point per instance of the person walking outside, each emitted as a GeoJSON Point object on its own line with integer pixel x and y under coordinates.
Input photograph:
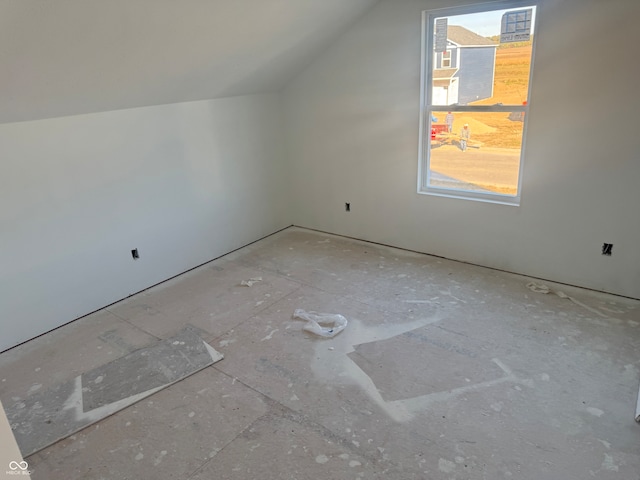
{"type": "Point", "coordinates": [449, 121]}
{"type": "Point", "coordinates": [465, 135]}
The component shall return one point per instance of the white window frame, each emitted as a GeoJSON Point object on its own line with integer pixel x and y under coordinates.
{"type": "Point", "coordinates": [426, 108]}
{"type": "Point", "coordinates": [443, 59]}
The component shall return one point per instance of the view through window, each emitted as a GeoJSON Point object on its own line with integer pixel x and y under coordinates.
{"type": "Point", "coordinates": [475, 99]}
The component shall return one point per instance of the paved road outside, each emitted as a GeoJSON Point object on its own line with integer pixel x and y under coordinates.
{"type": "Point", "coordinates": [494, 169]}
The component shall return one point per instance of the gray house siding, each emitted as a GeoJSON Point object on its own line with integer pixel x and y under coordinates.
{"type": "Point", "coordinates": [476, 73]}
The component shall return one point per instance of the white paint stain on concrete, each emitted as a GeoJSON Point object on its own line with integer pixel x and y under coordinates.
{"type": "Point", "coordinates": [336, 367]}
{"type": "Point", "coordinates": [322, 459]}
{"type": "Point", "coordinates": [354, 463]}
{"type": "Point", "coordinates": [215, 355]}
{"type": "Point", "coordinates": [270, 336]}
{"type": "Point", "coordinates": [159, 458]}
{"type": "Point", "coordinates": [139, 456]}
{"type": "Point", "coordinates": [34, 388]}
{"type": "Point", "coordinates": [611, 310]}
{"type": "Point", "coordinates": [446, 466]}
{"type": "Point", "coordinates": [605, 443]}
{"type": "Point", "coordinates": [75, 402]}
{"type": "Point", "coordinates": [595, 411]}
{"type": "Point", "coordinates": [608, 463]}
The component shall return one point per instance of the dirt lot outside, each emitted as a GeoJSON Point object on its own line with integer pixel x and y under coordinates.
{"type": "Point", "coordinates": [492, 162]}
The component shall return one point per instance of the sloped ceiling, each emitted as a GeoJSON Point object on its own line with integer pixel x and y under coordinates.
{"type": "Point", "coordinates": [67, 57]}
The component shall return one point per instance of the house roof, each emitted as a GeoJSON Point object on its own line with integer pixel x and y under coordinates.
{"type": "Point", "coordinates": [467, 38]}
{"type": "Point", "coordinates": [79, 56]}
{"type": "Point", "coordinates": [444, 73]}
{"type": "Point", "coordinates": [442, 77]}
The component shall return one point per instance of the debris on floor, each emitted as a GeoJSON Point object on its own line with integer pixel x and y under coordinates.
{"type": "Point", "coordinates": [250, 282]}
{"type": "Point", "coordinates": [51, 415]}
{"type": "Point", "coordinates": [542, 288]}
{"type": "Point", "coordinates": [538, 287]}
{"type": "Point", "coordinates": [335, 323]}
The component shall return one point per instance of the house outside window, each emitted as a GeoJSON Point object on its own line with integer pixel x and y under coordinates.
{"type": "Point", "coordinates": [476, 70]}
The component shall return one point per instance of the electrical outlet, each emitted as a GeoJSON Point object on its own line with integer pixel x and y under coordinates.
{"type": "Point", "coordinates": [606, 249]}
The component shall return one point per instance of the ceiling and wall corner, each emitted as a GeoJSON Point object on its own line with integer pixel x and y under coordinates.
{"type": "Point", "coordinates": [146, 126]}
{"type": "Point", "coordinates": [161, 126]}
{"type": "Point", "coordinates": [71, 57]}
{"type": "Point", "coordinates": [352, 136]}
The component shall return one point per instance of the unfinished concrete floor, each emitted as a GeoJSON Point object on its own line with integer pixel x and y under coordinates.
{"type": "Point", "coordinates": [445, 371]}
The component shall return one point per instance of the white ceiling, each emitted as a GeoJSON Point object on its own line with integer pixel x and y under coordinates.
{"type": "Point", "coordinates": [67, 57]}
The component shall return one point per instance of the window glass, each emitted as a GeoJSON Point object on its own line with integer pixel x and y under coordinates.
{"type": "Point", "coordinates": [476, 72]}
{"type": "Point", "coordinates": [484, 156]}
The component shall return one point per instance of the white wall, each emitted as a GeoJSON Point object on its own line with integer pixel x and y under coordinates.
{"type": "Point", "coordinates": [183, 183]}
{"type": "Point", "coordinates": [187, 182]}
{"type": "Point", "coordinates": [351, 121]}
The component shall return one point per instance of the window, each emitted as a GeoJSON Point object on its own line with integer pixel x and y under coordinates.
{"type": "Point", "coordinates": [474, 109]}
{"type": "Point", "coordinates": [446, 59]}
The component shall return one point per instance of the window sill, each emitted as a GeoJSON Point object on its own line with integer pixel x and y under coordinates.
{"type": "Point", "coordinates": [510, 200]}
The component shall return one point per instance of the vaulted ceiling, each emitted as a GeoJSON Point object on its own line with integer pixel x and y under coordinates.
{"type": "Point", "coordinates": [67, 57]}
